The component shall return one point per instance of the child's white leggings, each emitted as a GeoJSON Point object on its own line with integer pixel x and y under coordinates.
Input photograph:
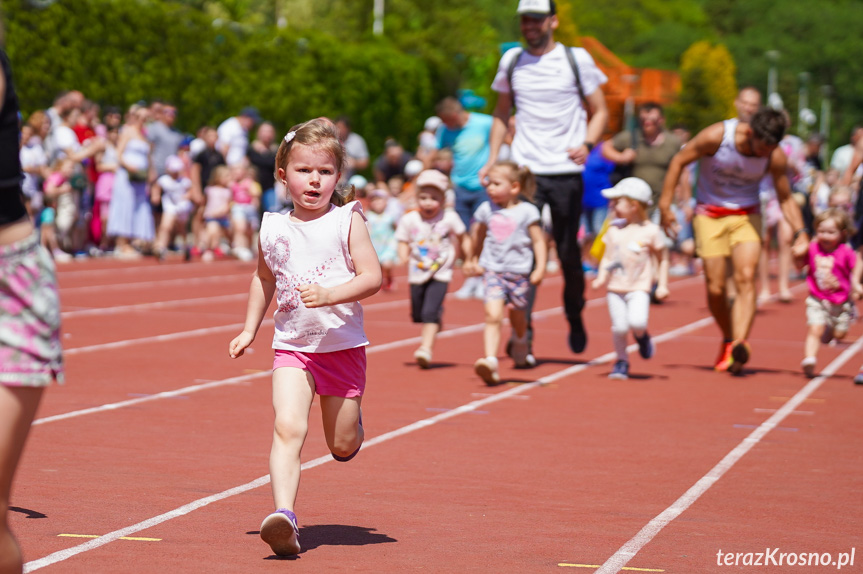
{"type": "Point", "coordinates": [628, 311]}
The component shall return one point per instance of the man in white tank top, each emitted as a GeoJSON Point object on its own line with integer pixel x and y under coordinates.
{"type": "Point", "coordinates": [733, 157]}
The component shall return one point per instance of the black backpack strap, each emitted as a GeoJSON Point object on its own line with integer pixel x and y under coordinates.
{"type": "Point", "coordinates": [571, 57]}
{"type": "Point", "coordinates": [511, 69]}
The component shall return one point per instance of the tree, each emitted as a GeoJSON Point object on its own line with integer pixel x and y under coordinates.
{"type": "Point", "coordinates": [708, 87]}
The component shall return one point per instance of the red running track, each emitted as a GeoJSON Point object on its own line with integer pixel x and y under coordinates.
{"type": "Point", "coordinates": [153, 456]}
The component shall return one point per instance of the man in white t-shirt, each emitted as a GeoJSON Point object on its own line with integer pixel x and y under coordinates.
{"type": "Point", "coordinates": [557, 123]}
{"type": "Point", "coordinates": [234, 135]}
{"type": "Point", "coordinates": [355, 147]}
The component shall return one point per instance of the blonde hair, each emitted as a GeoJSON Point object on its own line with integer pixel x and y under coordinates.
{"type": "Point", "coordinates": [519, 174]}
{"type": "Point", "coordinates": [220, 173]}
{"type": "Point", "coordinates": [840, 216]}
{"type": "Point", "coordinates": [323, 135]}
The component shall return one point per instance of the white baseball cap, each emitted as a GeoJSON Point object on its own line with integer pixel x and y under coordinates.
{"type": "Point", "coordinates": [631, 187]}
{"type": "Point", "coordinates": [536, 7]}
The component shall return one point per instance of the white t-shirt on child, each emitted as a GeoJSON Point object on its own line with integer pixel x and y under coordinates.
{"type": "Point", "coordinates": [432, 243]}
{"type": "Point", "coordinates": [312, 252]}
{"type": "Point", "coordinates": [628, 255]}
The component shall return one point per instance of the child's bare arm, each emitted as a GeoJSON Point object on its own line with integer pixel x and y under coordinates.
{"type": "Point", "coordinates": [260, 294]}
{"type": "Point", "coordinates": [404, 252]}
{"type": "Point", "coordinates": [365, 283]}
{"type": "Point", "coordinates": [540, 253]}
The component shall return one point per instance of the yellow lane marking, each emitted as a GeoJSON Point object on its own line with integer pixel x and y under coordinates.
{"type": "Point", "coordinates": [137, 538]}
{"type": "Point", "coordinates": [564, 564]}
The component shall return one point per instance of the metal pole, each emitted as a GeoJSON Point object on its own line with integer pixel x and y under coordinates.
{"type": "Point", "coordinates": [802, 104]}
{"type": "Point", "coordinates": [378, 26]}
{"type": "Point", "coordinates": [826, 91]}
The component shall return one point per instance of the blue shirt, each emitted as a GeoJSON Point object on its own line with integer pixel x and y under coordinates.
{"type": "Point", "coordinates": [470, 149]}
{"type": "Point", "coordinates": [597, 171]}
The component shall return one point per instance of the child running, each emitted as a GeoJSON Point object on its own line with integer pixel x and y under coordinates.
{"type": "Point", "coordinates": [832, 281]}
{"type": "Point", "coordinates": [427, 243]}
{"type": "Point", "coordinates": [319, 262]}
{"type": "Point", "coordinates": [382, 229]}
{"type": "Point", "coordinates": [631, 241]}
{"type": "Point", "coordinates": [511, 255]}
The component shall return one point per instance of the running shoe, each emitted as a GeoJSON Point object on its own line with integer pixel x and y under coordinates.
{"type": "Point", "coordinates": [739, 356]}
{"type": "Point", "coordinates": [620, 370]}
{"type": "Point", "coordinates": [520, 353]}
{"type": "Point", "coordinates": [827, 335]}
{"type": "Point", "coordinates": [645, 346]}
{"type": "Point", "coordinates": [808, 366]}
{"type": "Point", "coordinates": [486, 368]}
{"type": "Point", "coordinates": [577, 335]}
{"type": "Point", "coordinates": [280, 531]}
{"type": "Point", "coordinates": [858, 380]}
{"type": "Point", "coordinates": [423, 357]}
{"type": "Point", "coordinates": [724, 360]}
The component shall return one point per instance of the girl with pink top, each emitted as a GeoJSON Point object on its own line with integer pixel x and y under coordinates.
{"type": "Point", "coordinates": [631, 242]}
{"type": "Point", "coordinates": [832, 281]}
{"type": "Point", "coordinates": [318, 260]}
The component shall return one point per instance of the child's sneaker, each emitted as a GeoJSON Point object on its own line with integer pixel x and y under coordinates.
{"type": "Point", "coordinates": [858, 380]}
{"type": "Point", "coordinates": [808, 365]}
{"type": "Point", "coordinates": [423, 357]}
{"type": "Point", "coordinates": [280, 531]}
{"type": "Point", "coordinates": [724, 360]}
{"type": "Point", "coordinates": [520, 353]}
{"type": "Point", "coordinates": [620, 370]}
{"type": "Point", "coordinates": [739, 356]}
{"type": "Point", "coordinates": [486, 368]}
{"type": "Point", "coordinates": [827, 335]}
{"type": "Point", "coordinates": [645, 346]}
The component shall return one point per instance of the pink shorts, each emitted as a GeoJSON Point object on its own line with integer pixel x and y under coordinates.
{"type": "Point", "coordinates": [336, 374]}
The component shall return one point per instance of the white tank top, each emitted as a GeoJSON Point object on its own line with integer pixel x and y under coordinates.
{"type": "Point", "coordinates": [728, 178]}
{"type": "Point", "coordinates": [312, 252]}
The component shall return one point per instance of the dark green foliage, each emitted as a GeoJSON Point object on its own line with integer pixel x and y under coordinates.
{"type": "Point", "coordinates": [119, 52]}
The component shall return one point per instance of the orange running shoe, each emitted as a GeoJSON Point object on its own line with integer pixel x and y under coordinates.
{"type": "Point", "coordinates": [740, 352]}
{"type": "Point", "coordinates": [724, 360]}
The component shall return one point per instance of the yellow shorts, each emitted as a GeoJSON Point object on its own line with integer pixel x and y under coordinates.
{"type": "Point", "coordinates": [717, 236]}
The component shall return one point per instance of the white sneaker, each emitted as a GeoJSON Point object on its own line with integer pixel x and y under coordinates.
{"type": "Point", "coordinates": [486, 368]}
{"type": "Point", "coordinates": [243, 254]}
{"type": "Point", "coordinates": [61, 256]}
{"type": "Point", "coordinates": [423, 357]}
{"type": "Point", "coordinates": [466, 290]}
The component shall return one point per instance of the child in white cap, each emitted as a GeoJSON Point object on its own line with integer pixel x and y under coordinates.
{"type": "Point", "coordinates": [626, 267]}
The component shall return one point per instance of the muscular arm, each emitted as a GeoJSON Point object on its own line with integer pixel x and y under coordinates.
{"type": "Point", "coordinates": [790, 209]}
{"type": "Point", "coordinates": [500, 119]}
{"type": "Point", "coordinates": [704, 144]}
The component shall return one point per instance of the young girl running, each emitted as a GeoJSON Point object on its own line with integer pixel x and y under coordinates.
{"type": "Point", "coordinates": [319, 262]}
{"type": "Point", "coordinates": [832, 281]}
{"type": "Point", "coordinates": [630, 243]}
{"type": "Point", "coordinates": [511, 255]}
{"type": "Point", "coordinates": [427, 240]}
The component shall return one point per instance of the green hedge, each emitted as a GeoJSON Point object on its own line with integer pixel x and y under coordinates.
{"type": "Point", "coordinates": [120, 51]}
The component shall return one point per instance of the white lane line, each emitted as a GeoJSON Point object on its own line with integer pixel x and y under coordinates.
{"type": "Point", "coordinates": [233, 380]}
{"type": "Point", "coordinates": [214, 384]}
{"type": "Point", "coordinates": [472, 406]}
{"type": "Point", "coordinates": [182, 282]}
{"type": "Point", "coordinates": [628, 551]}
{"type": "Point", "coordinates": [99, 311]}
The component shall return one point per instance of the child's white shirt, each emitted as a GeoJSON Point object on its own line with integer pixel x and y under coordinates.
{"type": "Point", "coordinates": [312, 252]}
